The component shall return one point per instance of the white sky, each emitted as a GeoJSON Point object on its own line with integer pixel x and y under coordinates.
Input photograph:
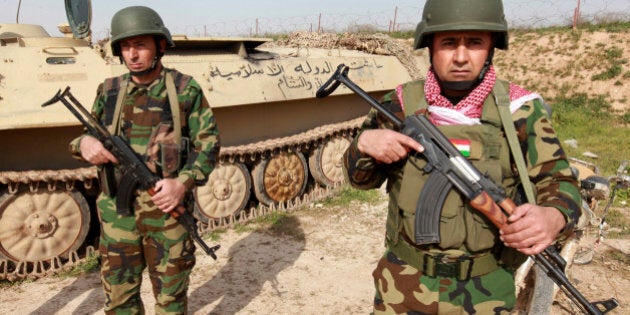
{"type": "Point", "coordinates": [236, 17]}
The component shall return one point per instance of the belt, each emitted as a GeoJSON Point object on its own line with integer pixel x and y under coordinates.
{"type": "Point", "coordinates": [438, 264]}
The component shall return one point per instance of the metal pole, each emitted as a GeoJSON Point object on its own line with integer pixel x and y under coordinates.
{"type": "Point", "coordinates": [395, 17]}
{"type": "Point", "coordinates": [319, 24]}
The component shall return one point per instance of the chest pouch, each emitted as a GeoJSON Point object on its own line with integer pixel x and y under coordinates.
{"type": "Point", "coordinates": [460, 226]}
{"type": "Point", "coordinates": [163, 152]}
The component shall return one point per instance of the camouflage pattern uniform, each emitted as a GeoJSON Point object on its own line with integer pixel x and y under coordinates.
{"type": "Point", "coordinates": [459, 275]}
{"type": "Point", "coordinates": [151, 238]}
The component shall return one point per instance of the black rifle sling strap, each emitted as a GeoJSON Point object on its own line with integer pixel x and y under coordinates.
{"type": "Point", "coordinates": [503, 102]}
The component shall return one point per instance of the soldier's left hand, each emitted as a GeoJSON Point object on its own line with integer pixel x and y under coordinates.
{"type": "Point", "coordinates": [169, 194]}
{"type": "Point", "coordinates": [532, 228]}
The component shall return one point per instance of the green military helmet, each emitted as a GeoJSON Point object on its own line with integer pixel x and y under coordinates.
{"type": "Point", "coordinates": [462, 15]}
{"type": "Point", "coordinates": [136, 21]}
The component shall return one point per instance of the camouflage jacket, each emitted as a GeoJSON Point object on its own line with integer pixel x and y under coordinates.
{"type": "Point", "coordinates": [548, 168]}
{"type": "Point", "coordinates": [145, 107]}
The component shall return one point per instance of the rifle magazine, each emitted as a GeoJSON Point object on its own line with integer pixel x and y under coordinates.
{"type": "Point", "coordinates": [430, 203]}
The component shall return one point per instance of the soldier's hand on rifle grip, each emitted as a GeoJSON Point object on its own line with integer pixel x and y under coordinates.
{"type": "Point", "coordinates": [386, 146]}
{"type": "Point", "coordinates": [169, 193]}
{"type": "Point", "coordinates": [93, 151]}
{"type": "Point", "coordinates": [532, 228]}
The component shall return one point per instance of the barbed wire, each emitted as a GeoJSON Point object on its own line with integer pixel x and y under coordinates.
{"type": "Point", "coordinates": [531, 14]}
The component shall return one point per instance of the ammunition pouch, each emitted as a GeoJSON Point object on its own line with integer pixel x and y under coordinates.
{"type": "Point", "coordinates": [164, 155]}
{"type": "Point", "coordinates": [169, 160]}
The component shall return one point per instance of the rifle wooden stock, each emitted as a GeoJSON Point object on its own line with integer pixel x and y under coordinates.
{"type": "Point", "coordinates": [484, 195]}
{"type": "Point", "coordinates": [484, 204]}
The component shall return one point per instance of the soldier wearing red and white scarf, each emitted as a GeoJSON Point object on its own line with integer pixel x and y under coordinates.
{"type": "Point", "coordinates": [468, 110]}
{"type": "Point", "coordinates": [461, 42]}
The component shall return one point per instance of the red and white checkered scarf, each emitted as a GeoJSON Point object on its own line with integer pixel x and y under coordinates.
{"type": "Point", "coordinates": [468, 110]}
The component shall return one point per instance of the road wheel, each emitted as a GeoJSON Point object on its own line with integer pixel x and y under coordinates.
{"type": "Point", "coordinates": [226, 192]}
{"type": "Point", "coordinates": [37, 226]}
{"type": "Point", "coordinates": [325, 162]}
{"type": "Point", "coordinates": [280, 178]}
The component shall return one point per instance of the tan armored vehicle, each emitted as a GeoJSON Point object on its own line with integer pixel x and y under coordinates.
{"type": "Point", "coordinates": [280, 143]}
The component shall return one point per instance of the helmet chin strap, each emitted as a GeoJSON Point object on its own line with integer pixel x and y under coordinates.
{"type": "Point", "coordinates": [154, 64]}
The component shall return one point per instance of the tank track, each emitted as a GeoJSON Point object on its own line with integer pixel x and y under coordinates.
{"type": "Point", "coordinates": [249, 153]}
{"type": "Point", "coordinates": [298, 142]}
{"type": "Point", "coordinates": [13, 180]}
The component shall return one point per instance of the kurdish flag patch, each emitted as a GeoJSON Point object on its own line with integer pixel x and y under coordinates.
{"type": "Point", "coordinates": [463, 145]}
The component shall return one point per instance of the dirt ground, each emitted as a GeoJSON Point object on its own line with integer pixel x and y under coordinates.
{"type": "Point", "coordinates": [316, 260]}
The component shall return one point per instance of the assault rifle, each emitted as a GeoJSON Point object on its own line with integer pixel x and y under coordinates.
{"type": "Point", "coordinates": [135, 173]}
{"type": "Point", "coordinates": [449, 168]}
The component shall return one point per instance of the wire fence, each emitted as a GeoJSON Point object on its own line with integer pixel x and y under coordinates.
{"type": "Point", "coordinates": [520, 14]}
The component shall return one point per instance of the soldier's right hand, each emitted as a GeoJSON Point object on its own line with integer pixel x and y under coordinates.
{"type": "Point", "coordinates": [386, 146]}
{"type": "Point", "coordinates": [93, 151]}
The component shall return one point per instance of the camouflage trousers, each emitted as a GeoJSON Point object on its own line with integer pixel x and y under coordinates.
{"type": "Point", "coordinates": [148, 239]}
{"type": "Point", "coordinates": [402, 289]}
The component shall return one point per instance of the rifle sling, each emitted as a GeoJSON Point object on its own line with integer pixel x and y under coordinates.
{"type": "Point", "coordinates": [503, 101]}
{"type": "Point", "coordinates": [172, 100]}
{"type": "Point", "coordinates": [429, 207]}
{"type": "Point", "coordinates": [120, 98]}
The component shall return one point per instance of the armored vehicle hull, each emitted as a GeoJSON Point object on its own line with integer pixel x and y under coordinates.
{"type": "Point", "coordinates": [274, 132]}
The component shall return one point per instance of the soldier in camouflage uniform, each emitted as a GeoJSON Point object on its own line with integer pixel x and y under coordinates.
{"type": "Point", "coordinates": [136, 106]}
{"type": "Point", "coordinates": [471, 269]}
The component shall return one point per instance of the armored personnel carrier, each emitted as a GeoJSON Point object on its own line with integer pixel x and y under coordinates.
{"type": "Point", "coordinates": [280, 144]}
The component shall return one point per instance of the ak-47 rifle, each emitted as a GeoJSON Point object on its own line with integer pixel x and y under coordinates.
{"type": "Point", "coordinates": [449, 168]}
{"type": "Point", "coordinates": [135, 173]}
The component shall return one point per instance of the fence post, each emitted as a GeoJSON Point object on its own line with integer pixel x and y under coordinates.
{"type": "Point", "coordinates": [319, 24]}
{"type": "Point", "coordinates": [576, 15]}
{"type": "Point", "coordinates": [393, 28]}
